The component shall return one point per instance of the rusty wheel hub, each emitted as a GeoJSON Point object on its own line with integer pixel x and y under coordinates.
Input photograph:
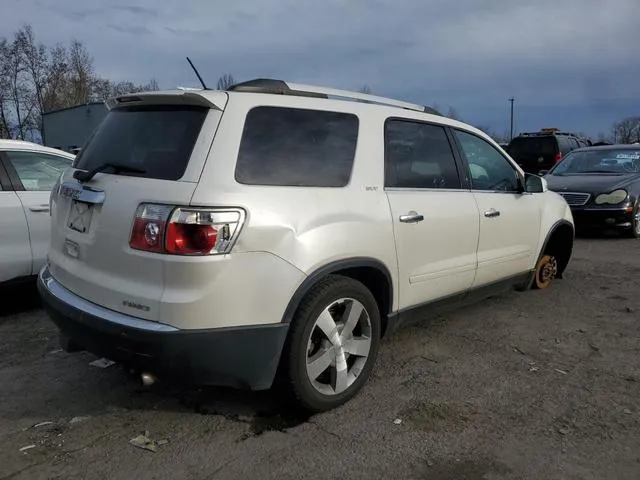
{"type": "Point", "coordinates": [549, 270]}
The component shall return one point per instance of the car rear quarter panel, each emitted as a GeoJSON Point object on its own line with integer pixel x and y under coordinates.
{"type": "Point", "coordinates": [305, 227]}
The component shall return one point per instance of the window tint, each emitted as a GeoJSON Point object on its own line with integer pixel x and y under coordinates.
{"type": "Point", "coordinates": [297, 147]}
{"type": "Point", "coordinates": [564, 144]}
{"type": "Point", "coordinates": [418, 155]}
{"type": "Point", "coordinates": [574, 143]}
{"type": "Point", "coordinates": [488, 168]}
{"type": "Point", "coordinates": [527, 147]}
{"type": "Point", "coordinates": [38, 171]}
{"type": "Point", "coordinates": [156, 139]}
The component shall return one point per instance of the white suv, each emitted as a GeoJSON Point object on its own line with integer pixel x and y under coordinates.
{"type": "Point", "coordinates": [226, 237]}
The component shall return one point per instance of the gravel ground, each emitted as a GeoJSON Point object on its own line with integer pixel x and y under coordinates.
{"type": "Point", "coordinates": [541, 384]}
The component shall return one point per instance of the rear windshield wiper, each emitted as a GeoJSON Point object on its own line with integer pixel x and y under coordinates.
{"type": "Point", "coordinates": [85, 176]}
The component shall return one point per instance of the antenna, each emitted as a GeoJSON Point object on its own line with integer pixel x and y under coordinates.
{"type": "Point", "coordinates": [197, 74]}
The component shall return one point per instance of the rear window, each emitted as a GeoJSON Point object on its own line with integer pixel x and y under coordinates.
{"type": "Point", "coordinates": [530, 146]}
{"type": "Point", "coordinates": [297, 147]}
{"type": "Point", "coordinates": [156, 139]}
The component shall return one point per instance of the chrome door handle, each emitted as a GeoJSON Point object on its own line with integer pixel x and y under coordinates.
{"type": "Point", "coordinates": [492, 213]}
{"type": "Point", "coordinates": [42, 208]}
{"type": "Point", "coordinates": [411, 217]}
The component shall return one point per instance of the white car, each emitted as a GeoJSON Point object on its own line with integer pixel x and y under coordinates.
{"type": "Point", "coordinates": [226, 237]}
{"type": "Point", "coordinates": [28, 172]}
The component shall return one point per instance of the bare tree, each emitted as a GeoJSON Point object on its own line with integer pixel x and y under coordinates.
{"type": "Point", "coordinates": [55, 94]}
{"type": "Point", "coordinates": [453, 114]}
{"type": "Point", "coordinates": [5, 128]}
{"type": "Point", "coordinates": [225, 81]}
{"type": "Point", "coordinates": [35, 60]}
{"type": "Point", "coordinates": [81, 73]}
{"type": "Point", "coordinates": [431, 110]}
{"type": "Point", "coordinates": [104, 89]}
{"type": "Point", "coordinates": [626, 130]}
{"type": "Point", "coordinates": [18, 89]}
{"type": "Point", "coordinates": [488, 130]}
{"type": "Point", "coordinates": [35, 79]}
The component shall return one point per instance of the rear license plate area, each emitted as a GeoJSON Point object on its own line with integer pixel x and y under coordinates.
{"type": "Point", "coordinates": [80, 215]}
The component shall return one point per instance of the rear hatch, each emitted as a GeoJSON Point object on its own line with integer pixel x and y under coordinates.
{"type": "Point", "coordinates": [534, 153]}
{"type": "Point", "coordinates": [150, 148]}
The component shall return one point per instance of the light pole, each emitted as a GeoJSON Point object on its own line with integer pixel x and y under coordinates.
{"type": "Point", "coordinates": [511, 100]}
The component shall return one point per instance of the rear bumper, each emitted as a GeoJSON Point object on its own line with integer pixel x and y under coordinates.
{"type": "Point", "coordinates": [602, 218]}
{"type": "Point", "coordinates": [240, 357]}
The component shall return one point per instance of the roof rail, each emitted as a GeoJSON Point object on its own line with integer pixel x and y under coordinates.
{"type": "Point", "coordinates": [543, 132]}
{"type": "Point", "coordinates": [279, 87]}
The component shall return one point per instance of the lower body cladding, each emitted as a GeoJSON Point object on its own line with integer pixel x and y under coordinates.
{"type": "Point", "coordinates": [240, 357]}
{"type": "Point", "coordinates": [600, 218]}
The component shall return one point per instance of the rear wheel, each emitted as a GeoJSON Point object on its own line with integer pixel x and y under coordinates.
{"type": "Point", "coordinates": [334, 343]}
{"type": "Point", "coordinates": [545, 272]}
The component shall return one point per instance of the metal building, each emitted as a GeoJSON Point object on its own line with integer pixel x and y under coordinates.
{"type": "Point", "coordinates": [69, 128]}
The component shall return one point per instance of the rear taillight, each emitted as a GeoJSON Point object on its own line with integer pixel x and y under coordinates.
{"type": "Point", "coordinates": [185, 231]}
{"type": "Point", "coordinates": [149, 227]}
{"type": "Point", "coordinates": [558, 157]}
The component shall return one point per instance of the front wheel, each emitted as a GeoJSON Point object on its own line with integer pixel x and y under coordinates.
{"type": "Point", "coordinates": [545, 272]}
{"type": "Point", "coordinates": [634, 232]}
{"type": "Point", "coordinates": [334, 342]}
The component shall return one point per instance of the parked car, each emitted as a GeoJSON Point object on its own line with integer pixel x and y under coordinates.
{"type": "Point", "coordinates": [224, 237]}
{"type": "Point", "coordinates": [28, 172]}
{"type": "Point", "coordinates": [536, 151]}
{"type": "Point", "coordinates": [602, 187]}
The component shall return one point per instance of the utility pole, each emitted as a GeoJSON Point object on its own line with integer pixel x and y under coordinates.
{"type": "Point", "coordinates": [511, 118]}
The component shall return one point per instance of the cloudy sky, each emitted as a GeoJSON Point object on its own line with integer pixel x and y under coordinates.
{"type": "Point", "coordinates": [574, 64]}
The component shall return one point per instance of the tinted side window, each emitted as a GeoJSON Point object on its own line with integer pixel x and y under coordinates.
{"type": "Point", "coordinates": [297, 147]}
{"type": "Point", "coordinates": [38, 171]}
{"type": "Point", "coordinates": [564, 145]}
{"type": "Point", "coordinates": [488, 168]}
{"type": "Point", "coordinates": [418, 155]}
{"type": "Point", "coordinates": [574, 143]}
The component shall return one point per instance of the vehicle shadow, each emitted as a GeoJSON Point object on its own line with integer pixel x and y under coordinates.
{"type": "Point", "coordinates": [19, 298]}
{"type": "Point", "coordinates": [81, 390]}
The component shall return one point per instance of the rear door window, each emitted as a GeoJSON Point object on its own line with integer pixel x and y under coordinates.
{"type": "Point", "coordinates": [158, 140]}
{"type": "Point", "coordinates": [418, 155]}
{"type": "Point", "coordinates": [297, 147]}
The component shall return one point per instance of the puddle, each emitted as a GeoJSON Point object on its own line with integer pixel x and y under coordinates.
{"type": "Point", "coordinates": [262, 412]}
{"type": "Point", "coordinates": [277, 421]}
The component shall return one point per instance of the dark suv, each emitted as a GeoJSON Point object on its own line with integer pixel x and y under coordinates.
{"type": "Point", "coordinates": [542, 150]}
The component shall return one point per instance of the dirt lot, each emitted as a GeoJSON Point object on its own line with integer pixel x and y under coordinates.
{"type": "Point", "coordinates": [528, 385]}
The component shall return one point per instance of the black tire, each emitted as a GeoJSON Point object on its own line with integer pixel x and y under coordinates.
{"type": "Point", "coordinates": [324, 294]}
{"type": "Point", "coordinates": [634, 231]}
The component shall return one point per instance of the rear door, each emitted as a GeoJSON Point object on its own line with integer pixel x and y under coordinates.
{"type": "Point", "coordinates": [15, 253]}
{"type": "Point", "coordinates": [435, 218]}
{"type": "Point", "coordinates": [509, 220]}
{"type": "Point", "coordinates": [34, 174]}
{"type": "Point", "coordinates": [157, 146]}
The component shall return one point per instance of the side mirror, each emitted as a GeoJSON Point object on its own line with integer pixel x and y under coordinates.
{"type": "Point", "coordinates": [534, 184]}
{"type": "Point", "coordinates": [543, 172]}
